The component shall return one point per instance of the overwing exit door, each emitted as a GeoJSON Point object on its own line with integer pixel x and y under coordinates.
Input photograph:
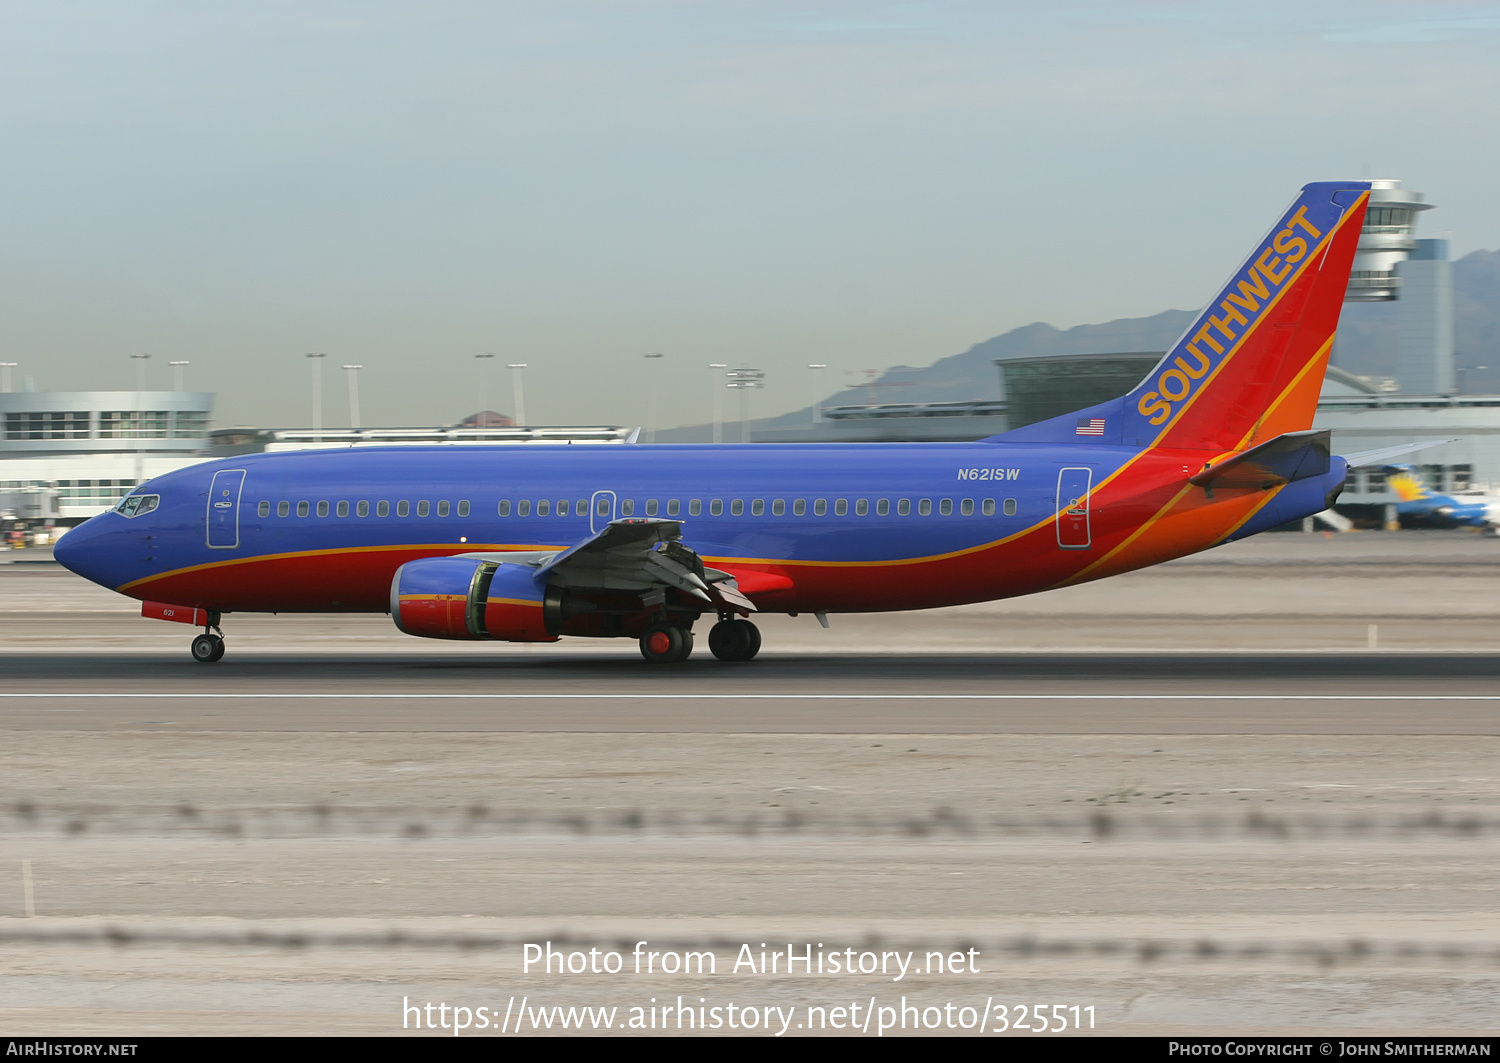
{"type": "Point", "coordinates": [601, 510]}
{"type": "Point", "coordinates": [224, 509]}
{"type": "Point", "coordinates": [1073, 508]}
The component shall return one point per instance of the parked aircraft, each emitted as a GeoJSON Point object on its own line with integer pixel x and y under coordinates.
{"type": "Point", "coordinates": [1416, 499]}
{"type": "Point", "coordinates": [529, 544]}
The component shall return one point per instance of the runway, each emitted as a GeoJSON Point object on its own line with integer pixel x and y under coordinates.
{"type": "Point", "coordinates": [1250, 791]}
{"type": "Point", "coordinates": [1117, 693]}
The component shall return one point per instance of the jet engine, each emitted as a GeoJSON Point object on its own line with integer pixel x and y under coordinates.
{"type": "Point", "coordinates": [470, 598]}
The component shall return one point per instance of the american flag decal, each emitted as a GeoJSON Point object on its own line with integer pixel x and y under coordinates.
{"type": "Point", "coordinates": [1090, 426]}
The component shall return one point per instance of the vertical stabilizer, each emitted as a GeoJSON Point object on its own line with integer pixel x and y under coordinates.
{"type": "Point", "coordinates": [1251, 366]}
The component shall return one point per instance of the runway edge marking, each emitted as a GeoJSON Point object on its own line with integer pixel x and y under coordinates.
{"type": "Point", "coordinates": [423, 696]}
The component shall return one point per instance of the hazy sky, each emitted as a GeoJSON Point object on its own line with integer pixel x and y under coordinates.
{"type": "Point", "coordinates": [573, 184]}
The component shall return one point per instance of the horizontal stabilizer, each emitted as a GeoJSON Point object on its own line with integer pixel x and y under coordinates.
{"type": "Point", "coordinates": [1385, 454]}
{"type": "Point", "coordinates": [1293, 456]}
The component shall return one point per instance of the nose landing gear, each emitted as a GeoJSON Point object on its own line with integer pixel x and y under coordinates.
{"type": "Point", "coordinates": [208, 647]}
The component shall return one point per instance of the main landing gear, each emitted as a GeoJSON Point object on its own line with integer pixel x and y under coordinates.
{"type": "Point", "coordinates": [734, 640]}
{"type": "Point", "coordinates": [729, 640]}
{"type": "Point", "coordinates": [208, 648]}
{"type": "Point", "coordinates": [666, 643]}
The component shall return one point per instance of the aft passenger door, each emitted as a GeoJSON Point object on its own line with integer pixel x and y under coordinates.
{"type": "Point", "coordinates": [224, 509]}
{"type": "Point", "coordinates": [1073, 508]}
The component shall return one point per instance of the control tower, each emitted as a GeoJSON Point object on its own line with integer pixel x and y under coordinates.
{"type": "Point", "coordinates": [1392, 266]}
{"type": "Point", "coordinates": [1385, 242]}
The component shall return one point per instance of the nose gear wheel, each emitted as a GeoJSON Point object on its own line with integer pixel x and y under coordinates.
{"type": "Point", "coordinates": [207, 648]}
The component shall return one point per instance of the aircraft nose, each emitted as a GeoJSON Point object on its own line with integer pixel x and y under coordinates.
{"type": "Point", "coordinates": [78, 550]}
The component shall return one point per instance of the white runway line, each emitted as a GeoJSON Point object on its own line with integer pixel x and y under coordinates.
{"type": "Point", "coordinates": [220, 695]}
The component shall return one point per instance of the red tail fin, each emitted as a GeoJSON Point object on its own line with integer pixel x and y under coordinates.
{"type": "Point", "coordinates": [1251, 367]}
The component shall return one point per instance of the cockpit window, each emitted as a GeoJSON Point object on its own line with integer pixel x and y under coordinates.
{"type": "Point", "coordinates": [135, 505]}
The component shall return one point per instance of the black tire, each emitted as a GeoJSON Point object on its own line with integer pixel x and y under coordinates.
{"type": "Point", "coordinates": [207, 649]}
{"type": "Point", "coordinates": [664, 644]}
{"type": "Point", "coordinates": [734, 640]}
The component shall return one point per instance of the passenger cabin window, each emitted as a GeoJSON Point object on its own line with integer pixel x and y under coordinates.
{"type": "Point", "coordinates": [695, 507]}
{"type": "Point", "coordinates": [968, 507]}
{"type": "Point", "coordinates": [543, 508]}
{"type": "Point", "coordinates": [302, 509]}
{"type": "Point", "coordinates": [523, 508]}
{"type": "Point", "coordinates": [799, 508]}
{"type": "Point", "coordinates": [820, 508]}
{"type": "Point", "coordinates": [422, 508]}
{"type": "Point", "coordinates": [945, 507]}
{"type": "Point", "coordinates": [343, 509]}
{"type": "Point", "coordinates": [758, 508]}
{"type": "Point", "coordinates": [627, 507]}
{"type": "Point", "coordinates": [716, 508]}
{"type": "Point", "coordinates": [903, 507]}
{"type": "Point", "coordinates": [443, 508]}
{"type": "Point", "coordinates": [1010, 507]}
{"type": "Point", "coordinates": [650, 507]}
{"type": "Point", "coordinates": [322, 509]}
{"type": "Point", "coordinates": [582, 508]}
{"type": "Point", "coordinates": [778, 508]}
{"type": "Point", "coordinates": [737, 508]}
{"type": "Point", "coordinates": [383, 509]}
{"type": "Point", "coordinates": [862, 507]}
{"type": "Point", "coordinates": [403, 508]}
{"type": "Point", "coordinates": [562, 507]}
{"type": "Point", "coordinates": [673, 508]}
{"type": "Point", "coordinates": [263, 510]}
{"type": "Point", "coordinates": [363, 509]}
{"type": "Point", "coordinates": [463, 507]}
{"type": "Point", "coordinates": [924, 507]}
{"type": "Point", "coordinates": [283, 509]}
{"type": "Point", "coordinates": [841, 507]}
{"type": "Point", "coordinates": [504, 509]}
{"type": "Point", "coordinates": [883, 507]}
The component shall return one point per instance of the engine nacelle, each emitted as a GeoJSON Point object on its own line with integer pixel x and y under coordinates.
{"type": "Point", "coordinates": [515, 605]}
{"type": "Point", "coordinates": [469, 598]}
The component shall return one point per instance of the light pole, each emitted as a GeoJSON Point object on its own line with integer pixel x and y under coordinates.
{"type": "Point", "coordinates": [747, 380]}
{"type": "Point", "coordinates": [651, 385]}
{"type": "Point", "coordinates": [483, 361]}
{"type": "Point", "coordinates": [817, 405]}
{"type": "Point", "coordinates": [177, 374]}
{"type": "Point", "coordinates": [353, 371]}
{"type": "Point", "coordinates": [5, 368]}
{"type": "Point", "coordinates": [515, 380]}
{"type": "Point", "coordinates": [140, 386]}
{"type": "Point", "coordinates": [713, 382]}
{"type": "Point", "coordinates": [317, 395]}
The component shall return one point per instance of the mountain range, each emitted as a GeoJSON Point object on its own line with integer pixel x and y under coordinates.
{"type": "Point", "coordinates": [1366, 345]}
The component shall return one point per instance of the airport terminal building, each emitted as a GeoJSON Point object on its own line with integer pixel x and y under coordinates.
{"type": "Point", "coordinates": [66, 455]}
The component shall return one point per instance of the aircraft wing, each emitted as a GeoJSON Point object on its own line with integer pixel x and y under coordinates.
{"type": "Point", "coordinates": [1385, 454]}
{"type": "Point", "coordinates": [635, 554]}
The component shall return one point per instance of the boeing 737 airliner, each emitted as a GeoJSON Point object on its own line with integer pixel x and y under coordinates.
{"type": "Point", "coordinates": [531, 544]}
